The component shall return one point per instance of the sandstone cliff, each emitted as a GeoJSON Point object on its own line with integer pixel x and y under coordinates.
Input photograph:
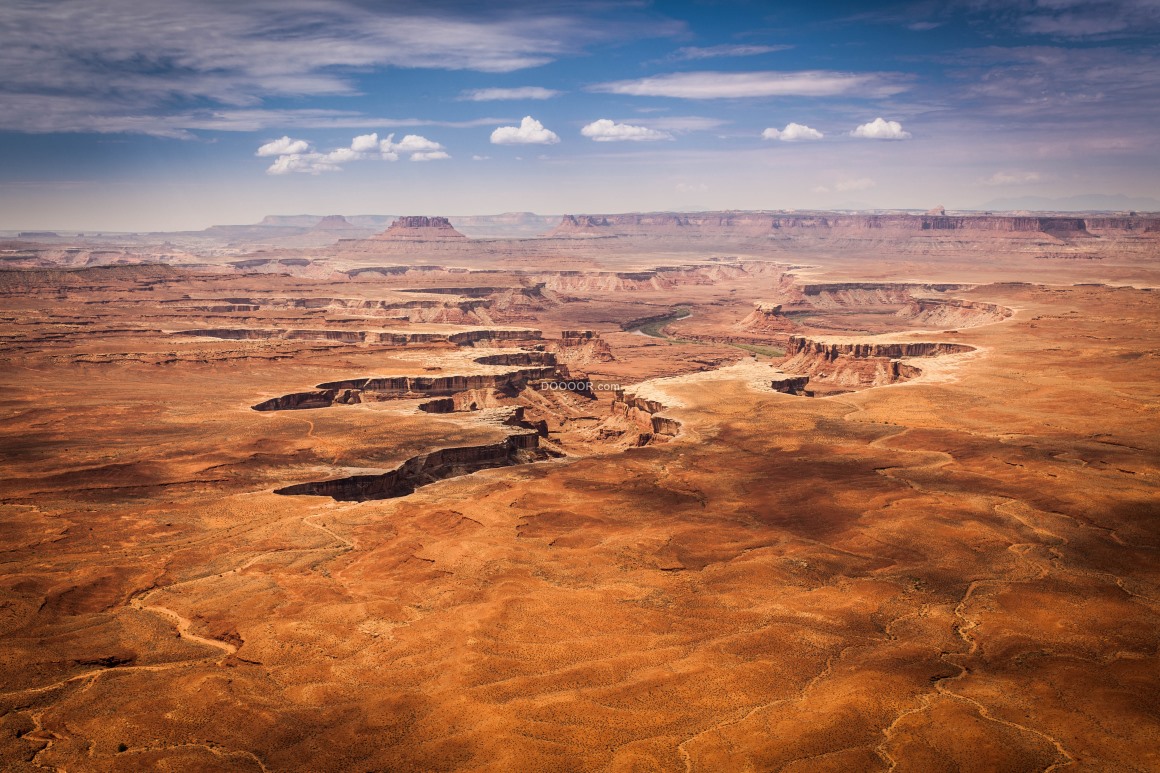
{"type": "Point", "coordinates": [420, 228]}
{"type": "Point", "coordinates": [520, 448]}
{"type": "Point", "coordinates": [842, 364]}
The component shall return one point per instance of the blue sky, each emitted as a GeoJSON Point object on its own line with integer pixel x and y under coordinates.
{"type": "Point", "coordinates": [135, 115]}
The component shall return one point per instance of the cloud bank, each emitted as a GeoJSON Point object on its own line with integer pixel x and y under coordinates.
{"type": "Point", "coordinates": [727, 50]}
{"type": "Point", "coordinates": [733, 85]}
{"type": "Point", "coordinates": [523, 92]}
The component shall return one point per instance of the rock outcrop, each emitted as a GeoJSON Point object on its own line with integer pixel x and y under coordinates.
{"type": "Point", "coordinates": [791, 385]}
{"type": "Point", "coordinates": [952, 313]}
{"type": "Point", "coordinates": [581, 347]}
{"type": "Point", "coordinates": [766, 318]}
{"type": "Point", "coordinates": [644, 416]}
{"type": "Point", "coordinates": [835, 295]}
{"type": "Point", "coordinates": [396, 387]}
{"type": "Point", "coordinates": [844, 365]}
{"type": "Point", "coordinates": [420, 228]}
{"type": "Point", "coordinates": [321, 398]}
{"type": "Point", "coordinates": [832, 350]}
{"type": "Point", "coordinates": [369, 337]}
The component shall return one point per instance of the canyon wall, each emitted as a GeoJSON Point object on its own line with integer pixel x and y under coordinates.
{"type": "Point", "coordinates": [520, 448]}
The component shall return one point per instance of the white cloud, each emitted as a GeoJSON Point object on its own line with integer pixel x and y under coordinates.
{"type": "Point", "coordinates": [420, 148]}
{"type": "Point", "coordinates": [713, 52]}
{"type": "Point", "coordinates": [1012, 178]}
{"type": "Point", "coordinates": [860, 184]}
{"type": "Point", "coordinates": [726, 85]}
{"type": "Point", "coordinates": [606, 130]}
{"type": "Point", "coordinates": [478, 157]}
{"type": "Point", "coordinates": [309, 163]}
{"type": "Point", "coordinates": [365, 142]}
{"type": "Point", "coordinates": [793, 132]}
{"type": "Point", "coordinates": [529, 132]}
{"type": "Point", "coordinates": [879, 129]}
{"type": "Point", "coordinates": [413, 143]}
{"type": "Point", "coordinates": [523, 92]}
{"type": "Point", "coordinates": [284, 146]}
{"type": "Point", "coordinates": [692, 188]}
{"type": "Point", "coordinates": [296, 156]}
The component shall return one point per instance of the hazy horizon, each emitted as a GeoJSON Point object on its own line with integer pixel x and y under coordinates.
{"type": "Point", "coordinates": [121, 117]}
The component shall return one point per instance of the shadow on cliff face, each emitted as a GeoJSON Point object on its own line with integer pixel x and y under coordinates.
{"type": "Point", "coordinates": [522, 448]}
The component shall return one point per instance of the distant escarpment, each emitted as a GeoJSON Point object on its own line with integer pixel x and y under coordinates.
{"type": "Point", "coordinates": [786, 224]}
{"type": "Point", "coordinates": [361, 390]}
{"type": "Point", "coordinates": [836, 366]}
{"type": "Point", "coordinates": [953, 313]}
{"type": "Point", "coordinates": [370, 337]}
{"type": "Point", "coordinates": [835, 295]}
{"type": "Point", "coordinates": [832, 350]}
{"type": "Point", "coordinates": [421, 470]}
{"type": "Point", "coordinates": [420, 228]}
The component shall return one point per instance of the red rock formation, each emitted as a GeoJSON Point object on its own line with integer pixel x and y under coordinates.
{"type": "Point", "coordinates": [853, 364]}
{"type": "Point", "coordinates": [581, 347]}
{"type": "Point", "coordinates": [419, 228]}
{"type": "Point", "coordinates": [952, 313]}
{"type": "Point", "coordinates": [790, 385]}
{"type": "Point", "coordinates": [645, 415]}
{"type": "Point", "coordinates": [831, 350]}
{"type": "Point", "coordinates": [766, 318]}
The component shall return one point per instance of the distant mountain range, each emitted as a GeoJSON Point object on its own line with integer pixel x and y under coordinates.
{"type": "Point", "coordinates": [1085, 202]}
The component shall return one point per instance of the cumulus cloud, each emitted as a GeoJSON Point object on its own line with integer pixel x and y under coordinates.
{"type": "Point", "coordinates": [297, 156]}
{"type": "Point", "coordinates": [880, 129]}
{"type": "Point", "coordinates": [606, 130]}
{"type": "Point", "coordinates": [793, 132]}
{"type": "Point", "coordinates": [308, 163]}
{"type": "Point", "coordinates": [412, 143]}
{"type": "Point", "coordinates": [284, 146]}
{"type": "Point", "coordinates": [529, 132]}
{"type": "Point", "coordinates": [523, 92]}
{"type": "Point", "coordinates": [714, 52]}
{"type": "Point", "coordinates": [726, 85]}
{"type": "Point", "coordinates": [365, 142]}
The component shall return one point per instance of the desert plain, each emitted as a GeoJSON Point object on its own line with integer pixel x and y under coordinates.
{"type": "Point", "coordinates": [721, 491]}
